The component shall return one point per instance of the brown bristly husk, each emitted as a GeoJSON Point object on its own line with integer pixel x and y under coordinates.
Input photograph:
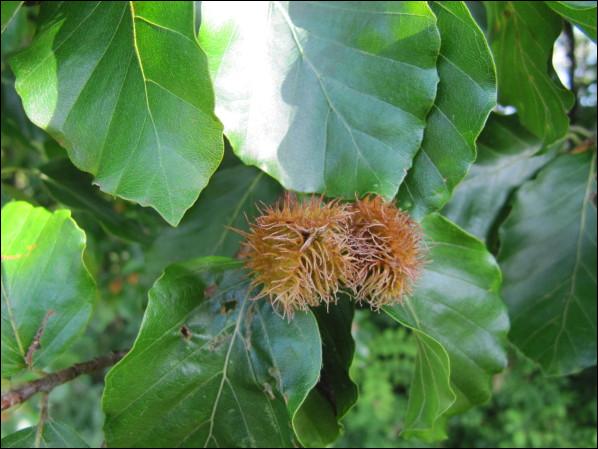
{"type": "Point", "coordinates": [298, 252]}
{"type": "Point", "coordinates": [387, 251]}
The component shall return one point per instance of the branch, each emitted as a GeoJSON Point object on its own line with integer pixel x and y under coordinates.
{"type": "Point", "coordinates": [50, 381]}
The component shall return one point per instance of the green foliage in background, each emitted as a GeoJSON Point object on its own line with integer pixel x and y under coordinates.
{"type": "Point", "coordinates": [527, 409]}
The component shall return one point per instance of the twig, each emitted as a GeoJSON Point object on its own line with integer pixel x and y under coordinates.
{"type": "Point", "coordinates": [43, 417]}
{"type": "Point", "coordinates": [49, 382]}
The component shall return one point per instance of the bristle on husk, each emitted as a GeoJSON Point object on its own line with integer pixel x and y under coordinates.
{"type": "Point", "coordinates": [298, 252]}
{"type": "Point", "coordinates": [387, 250]}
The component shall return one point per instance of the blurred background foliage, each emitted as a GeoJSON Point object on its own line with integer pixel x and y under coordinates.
{"type": "Point", "coordinates": [527, 408]}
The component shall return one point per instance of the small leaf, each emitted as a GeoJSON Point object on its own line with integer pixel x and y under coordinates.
{"type": "Point", "coordinates": [465, 65]}
{"type": "Point", "coordinates": [124, 87]}
{"type": "Point", "coordinates": [548, 257]}
{"type": "Point", "coordinates": [507, 157]}
{"type": "Point", "coordinates": [53, 435]}
{"type": "Point", "coordinates": [456, 303]}
{"type": "Point", "coordinates": [581, 14]}
{"type": "Point", "coordinates": [431, 394]}
{"type": "Point", "coordinates": [218, 369]}
{"type": "Point", "coordinates": [317, 423]}
{"type": "Point", "coordinates": [522, 35]}
{"type": "Point", "coordinates": [324, 96]}
{"type": "Point", "coordinates": [47, 292]}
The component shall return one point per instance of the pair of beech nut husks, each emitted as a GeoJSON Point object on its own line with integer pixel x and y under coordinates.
{"type": "Point", "coordinates": [302, 253]}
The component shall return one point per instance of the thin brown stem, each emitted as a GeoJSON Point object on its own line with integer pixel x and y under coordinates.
{"type": "Point", "coordinates": [47, 383]}
{"type": "Point", "coordinates": [43, 417]}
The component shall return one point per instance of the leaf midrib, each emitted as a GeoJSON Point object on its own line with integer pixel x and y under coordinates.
{"type": "Point", "coordinates": [319, 77]}
{"type": "Point", "coordinates": [151, 116]}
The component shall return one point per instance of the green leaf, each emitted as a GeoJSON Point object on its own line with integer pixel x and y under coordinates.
{"type": "Point", "coordinates": [53, 435]}
{"type": "Point", "coordinates": [317, 423]}
{"type": "Point", "coordinates": [18, 133]}
{"type": "Point", "coordinates": [324, 96]}
{"type": "Point", "coordinates": [548, 257]}
{"type": "Point", "coordinates": [218, 369]}
{"type": "Point", "coordinates": [581, 14]}
{"type": "Point", "coordinates": [8, 12]}
{"type": "Point", "coordinates": [73, 188]}
{"type": "Point", "coordinates": [124, 87]}
{"type": "Point", "coordinates": [335, 324]}
{"type": "Point", "coordinates": [228, 202]}
{"type": "Point", "coordinates": [46, 288]}
{"type": "Point", "coordinates": [456, 302]}
{"type": "Point", "coordinates": [507, 157]}
{"type": "Point", "coordinates": [431, 394]}
{"type": "Point", "coordinates": [522, 35]}
{"type": "Point", "coordinates": [465, 65]}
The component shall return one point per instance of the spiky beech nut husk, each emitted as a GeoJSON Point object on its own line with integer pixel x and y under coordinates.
{"type": "Point", "coordinates": [387, 250]}
{"type": "Point", "coordinates": [298, 252]}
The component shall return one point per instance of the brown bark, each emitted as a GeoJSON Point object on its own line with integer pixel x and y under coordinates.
{"type": "Point", "coordinates": [47, 383]}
